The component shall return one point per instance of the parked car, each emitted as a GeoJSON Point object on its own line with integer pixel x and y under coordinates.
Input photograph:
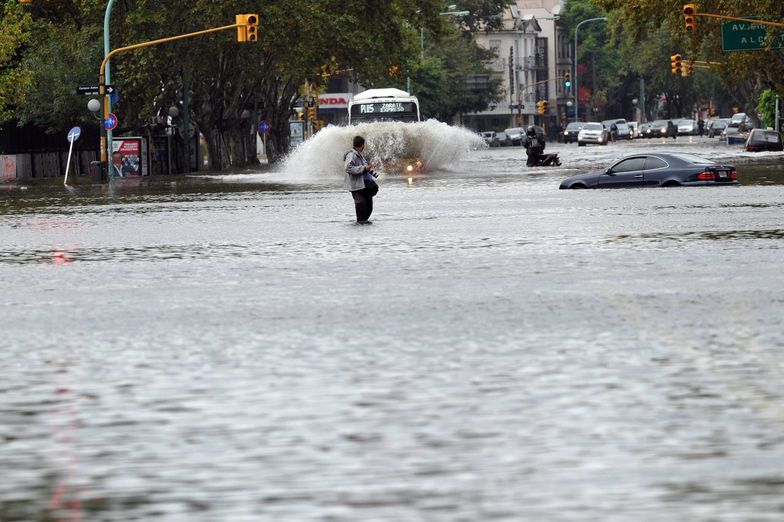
{"type": "Point", "coordinates": [593, 133]}
{"type": "Point", "coordinates": [501, 138]}
{"type": "Point", "coordinates": [739, 117]}
{"type": "Point", "coordinates": [634, 127]}
{"type": "Point", "coordinates": [760, 140]}
{"type": "Point", "coordinates": [656, 170]}
{"type": "Point", "coordinates": [571, 131]}
{"type": "Point", "coordinates": [514, 135]}
{"type": "Point", "coordinates": [491, 139]}
{"type": "Point", "coordinates": [687, 127]}
{"type": "Point", "coordinates": [716, 127]}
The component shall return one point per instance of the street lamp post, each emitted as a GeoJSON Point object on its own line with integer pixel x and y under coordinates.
{"type": "Point", "coordinates": [576, 84]}
{"type": "Point", "coordinates": [106, 50]}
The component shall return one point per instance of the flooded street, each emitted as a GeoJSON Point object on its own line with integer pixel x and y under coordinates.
{"type": "Point", "coordinates": [235, 348]}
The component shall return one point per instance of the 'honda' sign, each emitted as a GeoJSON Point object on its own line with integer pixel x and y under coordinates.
{"type": "Point", "coordinates": [336, 100]}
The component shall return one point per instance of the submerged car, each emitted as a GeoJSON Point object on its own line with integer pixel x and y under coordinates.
{"type": "Point", "coordinates": [593, 133]}
{"type": "Point", "coordinates": [656, 170]}
{"type": "Point", "coordinates": [764, 140]}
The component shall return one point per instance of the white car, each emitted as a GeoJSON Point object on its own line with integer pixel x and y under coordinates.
{"type": "Point", "coordinates": [593, 133]}
{"type": "Point", "coordinates": [687, 127]}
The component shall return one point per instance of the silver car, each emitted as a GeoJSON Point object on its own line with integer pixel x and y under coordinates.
{"type": "Point", "coordinates": [593, 133]}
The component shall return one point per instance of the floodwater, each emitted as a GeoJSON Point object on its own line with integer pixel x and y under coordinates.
{"type": "Point", "coordinates": [234, 348]}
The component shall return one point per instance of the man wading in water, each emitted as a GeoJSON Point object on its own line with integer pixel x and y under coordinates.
{"type": "Point", "coordinates": [359, 180]}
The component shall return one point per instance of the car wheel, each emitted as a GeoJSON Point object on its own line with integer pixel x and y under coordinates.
{"type": "Point", "coordinates": [671, 183]}
{"type": "Point", "coordinates": [580, 144]}
{"type": "Point", "coordinates": [577, 186]}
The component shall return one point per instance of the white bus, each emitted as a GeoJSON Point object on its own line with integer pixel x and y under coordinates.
{"type": "Point", "coordinates": [383, 105]}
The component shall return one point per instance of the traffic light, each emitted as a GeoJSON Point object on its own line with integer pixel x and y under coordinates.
{"type": "Point", "coordinates": [688, 68]}
{"type": "Point", "coordinates": [247, 27]}
{"type": "Point", "coordinates": [676, 64]}
{"type": "Point", "coordinates": [568, 80]}
{"type": "Point", "coordinates": [545, 103]}
{"type": "Point", "coordinates": [312, 114]}
{"type": "Point", "coordinates": [539, 109]}
{"type": "Point", "coordinates": [690, 17]}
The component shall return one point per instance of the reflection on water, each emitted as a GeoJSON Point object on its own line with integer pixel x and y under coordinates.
{"type": "Point", "coordinates": [234, 348]}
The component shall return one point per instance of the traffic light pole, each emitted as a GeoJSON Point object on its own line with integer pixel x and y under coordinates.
{"type": "Point", "coordinates": [576, 84]}
{"type": "Point", "coordinates": [102, 80]}
{"type": "Point", "coordinates": [736, 19]}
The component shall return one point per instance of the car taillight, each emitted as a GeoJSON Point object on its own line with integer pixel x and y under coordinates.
{"type": "Point", "coordinates": [706, 176]}
{"type": "Point", "coordinates": [734, 176]}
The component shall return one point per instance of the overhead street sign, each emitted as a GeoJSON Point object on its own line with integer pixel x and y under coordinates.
{"type": "Point", "coordinates": [93, 90]}
{"type": "Point", "coordinates": [744, 36]}
{"type": "Point", "coordinates": [264, 127]}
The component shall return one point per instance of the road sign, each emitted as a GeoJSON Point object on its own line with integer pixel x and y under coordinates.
{"type": "Point", "coordinates": [114, 96]}
{"type": "Point", "coordinates": [264, 127]}
{"type": "Point", "coordinates": [74, 134]}
{"type": "Point", "coordinates": [93, 90]}
{"type": "Point", "coordinates": [111, 121]}
{"type": "Point", "coordinates": [745, 36]}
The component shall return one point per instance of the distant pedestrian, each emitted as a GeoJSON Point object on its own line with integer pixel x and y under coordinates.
{"type": "Point", "coordinates": [701, 126]}
{"type": "Point", "coordinates": [359, 180]}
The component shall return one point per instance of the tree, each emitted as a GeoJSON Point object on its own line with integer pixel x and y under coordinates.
{"type": "Point", "coordinates": [443, 81]}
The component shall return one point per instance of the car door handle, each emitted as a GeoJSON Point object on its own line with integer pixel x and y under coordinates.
{"type": "Point", "coordinates": [638, 176]}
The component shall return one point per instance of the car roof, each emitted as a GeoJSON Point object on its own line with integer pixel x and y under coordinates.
{"type": "Point", "coordinates": [677, 159]}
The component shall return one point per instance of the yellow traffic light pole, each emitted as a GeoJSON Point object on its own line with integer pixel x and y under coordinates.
{"type": "Point", "coordinates": [242, 23]}
{"type": "Point", "coordinates": [690, 10]}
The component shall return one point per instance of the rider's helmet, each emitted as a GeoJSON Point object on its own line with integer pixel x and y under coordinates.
{"type": "Point", "coordinates": [530, 131]}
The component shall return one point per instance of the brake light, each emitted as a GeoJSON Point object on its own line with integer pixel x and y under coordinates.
{"type": "Point", "coordinates": [706, 176]}
{"type": "Point", "coordinates": [734, 176]}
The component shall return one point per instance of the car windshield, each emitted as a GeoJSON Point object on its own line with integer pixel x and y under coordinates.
{"type": "Point", "coordinates": [693, 159]}
{"type": "Point", "coordinates": [658, 124]}
{"type": "Point", "coordinates": [593, 126]}
{"type": "Point", "coordinates": [573, 126]}
{"type": "Point", "coordinates": [513, 131]}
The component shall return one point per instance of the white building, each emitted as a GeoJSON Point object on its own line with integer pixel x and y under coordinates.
{"type": "Point", "coordinates": [542, 57]}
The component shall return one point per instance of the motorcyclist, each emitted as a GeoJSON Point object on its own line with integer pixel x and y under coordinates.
{"type": "Point", "coordinates": [534, 146]}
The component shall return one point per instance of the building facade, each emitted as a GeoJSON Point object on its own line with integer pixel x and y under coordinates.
{"type": "Point", "coordinates": [541, 58]}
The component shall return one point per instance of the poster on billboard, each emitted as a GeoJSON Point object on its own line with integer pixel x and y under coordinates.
{"type": "Point", "coordinates": [129, 157]}
{"type": "Point", "coordinates": [296, 132]}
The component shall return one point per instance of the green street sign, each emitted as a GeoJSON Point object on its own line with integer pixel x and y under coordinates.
{"type": "Point", "coordinates": [745, 36]}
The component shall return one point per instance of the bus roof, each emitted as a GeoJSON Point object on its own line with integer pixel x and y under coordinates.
{"type": "Point", "coordinates": [382, 93]}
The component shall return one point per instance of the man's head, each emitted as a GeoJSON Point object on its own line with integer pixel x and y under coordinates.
{"type": "Point", "coordinates": [359, 142]}
{"type": "Point", "coordinates": [116, 158]}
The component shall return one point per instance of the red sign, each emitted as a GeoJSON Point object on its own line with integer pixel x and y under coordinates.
{"type": "Point", "coordinates": [335, 101]}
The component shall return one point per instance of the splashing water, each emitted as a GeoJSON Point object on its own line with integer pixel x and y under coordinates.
{"type": "Point", "coordinates": [436, 144]}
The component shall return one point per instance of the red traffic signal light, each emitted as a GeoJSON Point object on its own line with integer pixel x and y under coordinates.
{"type": "Point", "coordinates": [690, 17]}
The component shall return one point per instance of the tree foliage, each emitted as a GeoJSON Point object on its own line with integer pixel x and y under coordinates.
{"type": "Point", "coordinates": [224, 79]}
